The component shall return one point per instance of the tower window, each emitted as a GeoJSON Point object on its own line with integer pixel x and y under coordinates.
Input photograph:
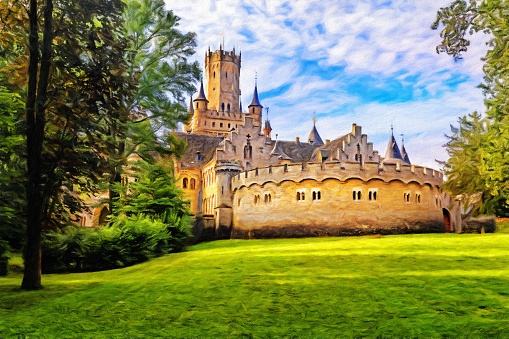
{"type": "Point", "coordinates": [222, 106]}
{"type": "Point", "coordinates": [226, 75]}
{"type": "Point", "coordinates": [214, 75]}
{"type": "Point", "coordinates": [193, 183]}
{"type": "Point", "coordinates": [418, 198]}
{"type": "Point", "coordinates": [184, 182]}
{"type": "Point", "coordinates": [406, 197]}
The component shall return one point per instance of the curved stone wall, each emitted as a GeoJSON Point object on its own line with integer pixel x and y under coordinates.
{"type": "Point", "coordinates": [335, 199]}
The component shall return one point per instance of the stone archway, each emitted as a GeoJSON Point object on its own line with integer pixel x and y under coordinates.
{"type": "Point", "coordinates": [447, 220]}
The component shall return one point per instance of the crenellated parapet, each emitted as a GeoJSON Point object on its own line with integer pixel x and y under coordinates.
{"type": "Point", "coordinates": [341, 171]}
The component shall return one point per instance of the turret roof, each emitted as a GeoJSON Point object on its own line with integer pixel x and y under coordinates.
{"type": "Point", "coordinates": [393, 152]}
{"type": "Point", "coordinates": [314, 137]}
{"type": "Point", "coordinates": [201, 95]}
{"type": "Point", "coordinates": [255, 101]}
{"type": "Point", "coordinates": [404, 154]}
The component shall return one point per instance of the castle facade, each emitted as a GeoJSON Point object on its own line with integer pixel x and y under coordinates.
{"type": "Point", "coordinates": [242, 183]}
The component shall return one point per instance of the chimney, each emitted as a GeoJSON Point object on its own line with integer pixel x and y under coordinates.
{"type": "Point", "coordinates": [297, 140]}
{"type": "Point", "coordinates": [327, 142]}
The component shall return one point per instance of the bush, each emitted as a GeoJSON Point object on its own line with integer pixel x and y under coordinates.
{"type": "Point", "coordinates": [4, 259]}
{"type": "Point", "coordinates": [127, 241]}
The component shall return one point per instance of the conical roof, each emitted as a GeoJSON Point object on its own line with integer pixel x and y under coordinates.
{"type": "Point", "coordinates": [314, 137]}
{"type": "Point", "coordinates": [404, 154]}
{"type": "Point", "coordinates": [255, 101]}
{"type": "Point", "coordinates": [393, 152]}
{"type": "Point", "coordinates": [201, 95]}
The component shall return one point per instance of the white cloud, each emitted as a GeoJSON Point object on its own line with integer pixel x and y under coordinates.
{"type": "Point", "coordinates": [366, 38]}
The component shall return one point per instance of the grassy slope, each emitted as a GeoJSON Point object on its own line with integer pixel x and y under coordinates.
{"type": "Point", "coordinates": [444, 285]}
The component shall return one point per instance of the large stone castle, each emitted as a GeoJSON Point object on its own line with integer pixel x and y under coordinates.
{"type": "Point", "coordinates": [243, 183]}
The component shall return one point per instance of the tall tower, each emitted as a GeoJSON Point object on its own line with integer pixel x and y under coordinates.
{"type": "Point", "coordinates": [222, 70]}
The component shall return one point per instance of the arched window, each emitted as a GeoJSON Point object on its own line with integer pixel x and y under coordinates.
{"type": "Point", "coordinates": [222, 106]}
{"type": "Point", "coordinates": [228, 107]}
{"type": "Point", "coordinates": [298, 196]}
{"type": "Point", "coordinates": [302, 196]}
{"type": "Point", "coordinates": [184, 183]}
{"type": "Point", "coordinates": [214, 74]}
{"type": "Point", "coordinates": [314, 195]}
{"type": "Point", "coordinates": [193, 183]}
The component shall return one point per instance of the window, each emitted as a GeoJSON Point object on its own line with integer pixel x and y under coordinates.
{"type": "Point", "coordinates": [205, 123]}
{"type": "Point", "coordinates": [317, 195]}
{"type": "Point", "coordinates": [184, 182]}
{"type": "Point", "coordinates": [213, 124]}
{"type": "Point", "coordinates": [214, 74]}
{"type": "Point", "coordinates": [221, 124]}
{"type": "Point", "coordinates": [372, 194]}
{"type": "Point", "coordinates": [418, 198]}
{"type": "Point", "coordinates": [356, 194]}
{"type": "Point", "coordinates": [406, 197]}
{"type": "Point", "coordinates": [193, 183]}
{"type": "Point", "coordinates": [301, 196]}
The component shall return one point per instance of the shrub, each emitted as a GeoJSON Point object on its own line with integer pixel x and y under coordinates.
{"type": "Point", "coordinates": [127, 241]}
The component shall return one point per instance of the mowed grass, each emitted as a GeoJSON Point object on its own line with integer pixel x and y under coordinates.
{"type": "Point", "coordinates": [425, 286]}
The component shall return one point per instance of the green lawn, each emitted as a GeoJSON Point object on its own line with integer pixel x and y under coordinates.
{"type": "Point", "coordinates": [426, 286]}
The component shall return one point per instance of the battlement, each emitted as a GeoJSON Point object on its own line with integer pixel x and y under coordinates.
{"type": "Point", "coordinates": [222, 55]}
{"type": "Point", "coordinates": [341, 171]}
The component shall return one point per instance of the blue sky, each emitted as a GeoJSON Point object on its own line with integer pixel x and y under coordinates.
{"type": "Point", "coordinates": [372, 63]}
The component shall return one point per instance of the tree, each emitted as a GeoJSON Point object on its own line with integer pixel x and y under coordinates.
{"type": "Point", "coordinates": [491, 158]}
{"type": "Point", "coordinates": [68, 120]}
{"type": "Point", "coordinates": [158, 59]}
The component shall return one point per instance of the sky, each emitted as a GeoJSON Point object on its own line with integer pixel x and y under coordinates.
{"type": "Point", "coordinates": [373, 63]}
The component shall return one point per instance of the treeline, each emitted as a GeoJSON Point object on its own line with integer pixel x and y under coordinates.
{"type": "Point", "coordinates": [83, 85]}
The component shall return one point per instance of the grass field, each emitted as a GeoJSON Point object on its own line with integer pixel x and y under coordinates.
{"type": "Point", "coordinates": [426, 286]}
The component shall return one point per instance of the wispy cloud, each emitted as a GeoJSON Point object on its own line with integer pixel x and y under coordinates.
{"type": "Point", "coordinates": [367, 62]}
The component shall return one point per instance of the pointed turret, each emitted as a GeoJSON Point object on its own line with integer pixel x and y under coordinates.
{"type": "Point", "coordinates": [201, 99]}
{"type": "Point", "coordinates": [393, 152]}
{"type": "Point", "coordinates": [267, 129]}
{"type": "Point", "coordinates": [255, 101]}
{"type": "Point", "coordinates": [255, 108]}
{"type": "Point", "coordinates": [404, 154]}
{"type": "Point", "coordinates": [314, 137]}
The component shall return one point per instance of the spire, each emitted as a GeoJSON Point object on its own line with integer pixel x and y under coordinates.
{"type": "Point", "coordinates": [267, 129]}
{"type": "Point", "coordinates": [255, 101]}
{"type": "Point", "coordinates": [314, 137]}
{"type": "Point", "coordinates": [191, 108]}
{"type": "Point", "coordinates": [404, 153]}
{"type": "Point", "coordinates": [201, 95]}
{"type": "Point", "coordinates": [392, 148]}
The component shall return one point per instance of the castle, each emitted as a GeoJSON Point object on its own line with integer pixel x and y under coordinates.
{"type": "Point", "coordinates": [242, 183]}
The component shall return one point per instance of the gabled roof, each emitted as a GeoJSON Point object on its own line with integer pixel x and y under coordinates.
{"type": "Point", "coordinates": [205, 144]}
{"type": "Point", "coordinates": [293, 151]}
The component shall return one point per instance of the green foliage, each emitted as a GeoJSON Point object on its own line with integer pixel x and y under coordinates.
{"type": "Point", "coordinates": [152, 193]}
{"type": "Point", "coordinates": [12, 169]}
{"type": "Point", "coordinates": [127, 241]}
{"type": "Point", "coordinates": [481, 144]}
{"type": "Point", "coordinates": [412, 286]}
{"type": "Point", "coordinates": [4, 258]}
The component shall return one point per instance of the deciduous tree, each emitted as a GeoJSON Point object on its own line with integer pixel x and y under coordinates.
{"type": "Point", "coordinates": [490, 160]}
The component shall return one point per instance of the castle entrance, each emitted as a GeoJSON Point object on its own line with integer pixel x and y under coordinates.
{"type": "Point", "coordinates": [447, 220]}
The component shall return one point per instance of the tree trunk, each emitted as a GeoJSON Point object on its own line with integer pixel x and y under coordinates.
{"type": "Point", "coordinates": [35, 109]}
